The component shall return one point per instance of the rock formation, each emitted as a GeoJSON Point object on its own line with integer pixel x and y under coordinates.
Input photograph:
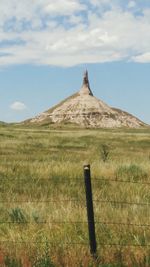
{"type": "Point", "coordinates": [84, 109]}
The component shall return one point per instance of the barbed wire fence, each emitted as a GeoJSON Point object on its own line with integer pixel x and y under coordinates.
{"type": "Point", "coordinates": [88, 203]}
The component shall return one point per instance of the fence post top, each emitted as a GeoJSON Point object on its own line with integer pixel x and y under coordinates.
{"type": "Point", "coordinates": [86, 166]}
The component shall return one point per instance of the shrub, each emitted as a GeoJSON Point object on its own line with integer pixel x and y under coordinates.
{"type": "Point", "coordinates": [132, 172]}
{"type": "Point", "coordinates": [44, 261]}
{"type": "Point", "coordinates": [11, 262]}
{"type": "Point", "coordinates": [17, 216]}
{"type": "Point", "coordinates": [105, 152]}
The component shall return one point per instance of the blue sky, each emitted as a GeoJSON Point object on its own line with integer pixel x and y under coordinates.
{"type": "Point", "coordinates": [46, 45]}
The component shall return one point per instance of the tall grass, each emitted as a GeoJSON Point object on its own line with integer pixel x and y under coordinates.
{"type": "Point", "coordinates": [42, 199]}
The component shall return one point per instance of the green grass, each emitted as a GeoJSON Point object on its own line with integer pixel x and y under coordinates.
{"type": "Point", "coordinates": [40, 167]}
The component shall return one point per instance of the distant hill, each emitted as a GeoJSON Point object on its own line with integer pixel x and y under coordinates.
{"type": "Point", "coordinates": [85, 110]}
{"type": "Point", "coordinates": [3, 123]}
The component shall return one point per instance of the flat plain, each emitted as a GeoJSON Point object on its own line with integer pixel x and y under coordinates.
{"type": "Point", "coordinates": [43, 219]}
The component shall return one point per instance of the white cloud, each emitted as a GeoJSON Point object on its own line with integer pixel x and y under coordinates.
{"type": "Point", "coordinates": [18, 106]}
{"type": "Point", "coordinates": [102, 2]}
{"type": "Point", "coordinates": [131, 4]}
{"type": "Point", "coordinates": [144, 58]}
{"type": "Point", "coordinates": [62, 7]}
{"type": "Point", "coordinates": [68, 32]}
{"type": "Point", "coordinates": [33, 10]}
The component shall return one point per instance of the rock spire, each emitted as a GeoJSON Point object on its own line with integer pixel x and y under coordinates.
{"type": "Point", "coordinates": [85, 89]}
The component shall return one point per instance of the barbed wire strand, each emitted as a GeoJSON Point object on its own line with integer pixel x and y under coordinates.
{"type": "Point", "coordinates": [122, 202]}
{"type": "Point", "coordinates": [43, 201]}
{"type": "Point", "coordinates": [120, 181]}
{"type": "Point", "coordinates": [77, 222]}
{"type": "Point", "coordinates": [73, 243]}
{"type": "Point", "coordinates": [123, 245]}
{"type": "Point", "coordinates": [66, 179]}
{"type": "Point", "coordinates": [115, 202]}
{"type": "Point", "coordinates": [43, 242]}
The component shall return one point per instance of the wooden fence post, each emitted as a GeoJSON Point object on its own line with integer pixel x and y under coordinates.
{"type": "Point", "coordinates": [90, 210]}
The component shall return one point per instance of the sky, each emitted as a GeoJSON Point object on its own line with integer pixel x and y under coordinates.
{"type": "Point", "coordinates": [46, 45]}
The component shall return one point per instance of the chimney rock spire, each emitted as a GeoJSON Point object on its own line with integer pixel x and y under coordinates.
{"type": "Point", "coordinates": [85, 89]}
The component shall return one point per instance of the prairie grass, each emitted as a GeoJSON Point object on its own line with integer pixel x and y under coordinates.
{"type": "Point", "coordinates": [42, 200]}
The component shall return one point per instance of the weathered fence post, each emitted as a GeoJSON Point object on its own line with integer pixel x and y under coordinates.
{"type": "Point", "coordinates": [90, 209]}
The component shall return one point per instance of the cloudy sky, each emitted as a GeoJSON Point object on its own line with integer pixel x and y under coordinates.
{"type": "Point", "coordinates": [45, 46]}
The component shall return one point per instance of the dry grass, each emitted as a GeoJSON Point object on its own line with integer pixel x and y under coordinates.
{"type": "Point", "coordinates": [42, 164]}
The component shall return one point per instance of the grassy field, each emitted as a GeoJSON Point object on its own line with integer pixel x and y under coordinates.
{"type": "Point", "coordinates": [42, 197]}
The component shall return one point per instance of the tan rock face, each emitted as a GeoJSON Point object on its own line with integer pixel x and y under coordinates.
{"type": "Point", "coordinates": [86, 110]}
